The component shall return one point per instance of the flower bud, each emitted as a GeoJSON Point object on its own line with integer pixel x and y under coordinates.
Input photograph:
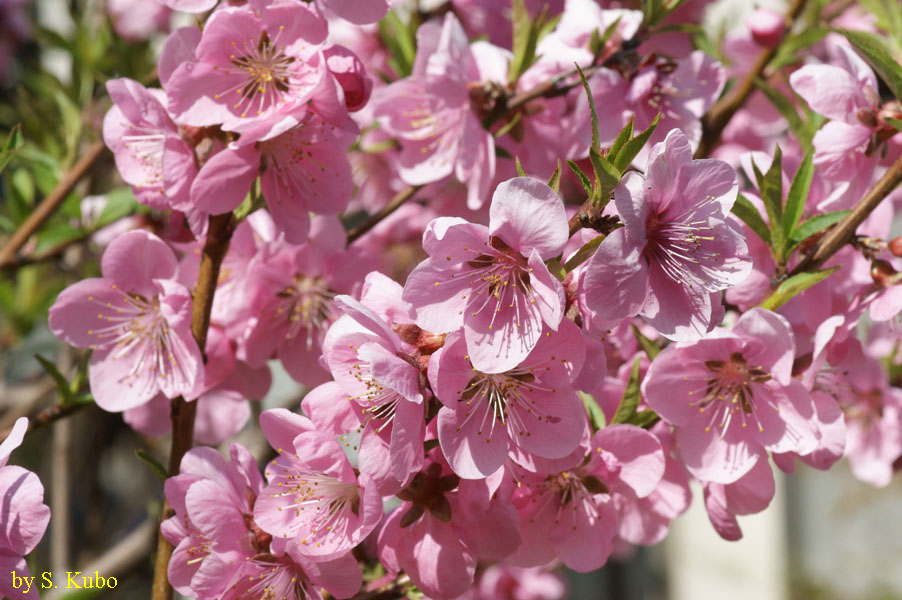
{"type": "Point", "coordinates": [351, 76]}
{"type": "Point", "coordinates": [895, 246]}
{"type": "Point", "coordinates": [766, 26]}
{"type": "Point", "coordinates": [882, 272]}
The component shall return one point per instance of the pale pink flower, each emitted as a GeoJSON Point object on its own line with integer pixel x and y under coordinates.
{"type": "Point", "coordinates": [138, 19]}
{"type": "Point", "coordinates": [23, 516]}
{"type": "Point", "coordinates": [507, 582]}
{"type": "Point", "coordinates": [731, 397]}
{"type": "Point", "coordinates": [532, 406]}
{"type": "Point", "coordinates": [253, 68]}
{"type": "Point", "coordinates": [314, 497]}
{"type": "Point", "coordinates": [677, 249]}
{"type": "Point", "coordinates": [150, 153]}
{"type": "Point", "coordinates": [137, 320]}
{"type": "Point", "coordinates": [492, 281]}
{"type": "Point", "coordinates": [293, 577]}
{"type": "Point", "coordinates": [750, 494]}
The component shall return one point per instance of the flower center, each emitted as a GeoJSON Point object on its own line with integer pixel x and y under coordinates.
{"type": "Point", "coordinates": [307, 306]}
{"type": "Point", "coordinates": [268, 73]}
{"type": "Point", "coordinates": [729, 392]}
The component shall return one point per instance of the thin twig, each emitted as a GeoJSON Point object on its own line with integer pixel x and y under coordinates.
{"type": "Point", "coordinates": [215, 248]}
{"type": "Point", "coordinates": [723, 110]}
{"type": "Point", "coordinates": [839, 235]}
{"type": "Point", "coordinates": [395, 203]}
{"type": "Point", "coordinates": [50, 203]}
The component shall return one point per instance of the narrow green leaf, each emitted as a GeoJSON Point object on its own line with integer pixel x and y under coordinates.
{"type": "Point", "coordinates": [798, 194]}
{"type": "Point", "coordinates": [631, 396]}
{"type": "Point", "coordinates": [584, 253]}
{"type": "Point", "coordinates": [606, 178]}
{"type": "Point", "coordinates": [555, 181]}
{"type": "Point", "coordinates": [794, 286]}
{"type": "Point", "coordinates": [526, 34]}
{"type": "Point", "coordinates": [62, 384]}
{"type": "Point", "coordinates": [816, 224]}
{"type": "Point", "coordinates": [508, 126]}
{"type": "Point", "coordinates": [153, 463]}
{"type": "Point", "coordinates": [14, 141]}
{"type": "Point", "coordinates": [649, 347]}
{"type": "Point", "coordinates": [583, 178]}
{"type": "Point", "coordinates": [879, 55]}
{"type": "Point", "coordinates": [556, 268]}
{"type": "Point", "coordinates": [120, 203]}
{"type": "Point", "coordinates": [520, 171]}
{"type": "Point", "coordinates": [772, 195]}
{"type": "Point", "coordinates": [749, 215]}
{"type": "Point", "coordinates": [625, 135]}
{"type": "Point", "coordinates": [596, 144]}
{"type": "Point", "coordinates": [894, 122]}
{"type": "Point", "coordinates": [632, 148]}
{"type": "Point", "coordinates": [787, 110]}
{"type": "Point", "coordinates": [792, 44]}
{"type": "Point", "coordinates": [596, 416]}
{"type": "Point", "coordinates": [645, 419]}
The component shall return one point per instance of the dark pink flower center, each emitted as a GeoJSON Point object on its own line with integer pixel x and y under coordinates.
{"type": "Point", "coordinates": [677, 242]}
{"type": "Point", "coordinates": [501, 276]}
{"type": "Point", "coordinates": [306, 306]}
{"type": "Point", "coordinates": [267, 71]}
{"type": "Point", "coordinates": [728, 392]}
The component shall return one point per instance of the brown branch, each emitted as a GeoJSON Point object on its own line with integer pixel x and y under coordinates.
{"type": "Point", "coordinates": [723, 110]}
{"type": "Point", "coordinates": [395, 203]}
{"type": "Point", "coordinates": [218, 237]}
{"type": "Point", "coordinates": [842, 233]}
{"type": "Point", "coordinates": [51, 203]}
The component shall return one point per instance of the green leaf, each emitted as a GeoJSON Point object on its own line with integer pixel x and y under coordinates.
{"type": "Point", "coordinates": [879, 55]}
{"type": "Point", "coordinates": [400, 42]}
{"type": "Point", "coordinates": [632, 148]}
{"type": "Point", "coordinates": [584, 253]}
{"type": "Point", "coordinates": [794, 286]}
{"type": "Point", "coordinates": [816, 224]}
{"type": "Point", "coordinates": [556, 268]}
{"type": "Point", "coordinates": [520, 171]}
{"type": "Point", "coordinates": [606, 178]}
{"type": "Point", "coordinates": [625, 135]}
{"type": "Point", "coordinates": [749, 215]}
{"type": "Point", "coordinates": [596, 416]}
{"type": "Point", "coordinates": [555, 181]}
{"type": "Point", "coordinates": [771, 188]}
{"type": "Point", "coordinates": [526, 32]}
{"type": "Point", "coordinates": [120, 203]}
{"type": "Point", "coordinates": [62, 384]}
{"type": "Point", "coordinates": [792, 44]}
{"type": "Point", "coordinates": [14, 141]}
{"type": "Point", "coordinates": [508, 126]}
{"type": "Point", "coordinates": [153, 463]}
{"type": "Point", "coordinates": [502, 153]}
{"type": "Point", "coordinates": [787, 110]}
{"type": "Point", "coordinates": [894, 122]}
{"type": "Point", "coordinates": [798, 194]}
{"type": "Point", "coordinates": [631, 396]}
{"type": "Point", "coordinates": [649, 347]}
{"type": "Point", "coordinates": [644, 419]}
{"type": "Point", "coordinates": [596, 143]}
{"type": "Point", "coordinates": [583, 178]}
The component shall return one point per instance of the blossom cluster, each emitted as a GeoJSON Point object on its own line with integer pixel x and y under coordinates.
{"type": "Point", "coordinates": [500, 380]}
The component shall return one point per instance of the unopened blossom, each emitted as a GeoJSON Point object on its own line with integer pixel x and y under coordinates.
{"type": "Point", "coordinates": [150, 153]}
{"type": "Point", "coordinates": [570, 514]}
{"type": "Point", "coordinates": [303, 170]}
{"type": "Point", "coordinates": [252, 67]}
{"type": "Point", "coordinates": [532, 406]}
{"type": "Point", "coordinates": [492, 281]}
{"type": "Point", "coordinates": [23, 516]}
{"type": "Point", "coordinates": [431, 114]}
{"type": "Point", "coordinates": [347, 68]}
{"type": "Point", "coordinates": [677, 250]}
{"type": "Point", "coordinates": [314, 497]}
{"type": "Point", "coordinates": [732, 398]}
{"type": "Point", "coordinates": [137, 320]}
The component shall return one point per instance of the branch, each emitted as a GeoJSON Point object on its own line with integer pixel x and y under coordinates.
{"type": "Point", "coordinates": [219, 235]}
{"type": "Point", "coordinates": [837, 237]}
{"type": "Point", "coordinates": [723, 110]}
{"type": "Point", "coordinates": [50, 203]}
{"type": "Point", "coordinates": [395, 203]}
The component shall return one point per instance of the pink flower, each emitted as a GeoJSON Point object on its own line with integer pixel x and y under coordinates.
{"type": "Point", "coordinates": [506, 582]}
{"type": "Point", "coordinates": [748, 495]}
{"type": "Point", "coordinates": [676, 251]}
{"type": "Point", "coordinates": [288, 292]}
{"type": "Point", "coordinates": [23, 516]}
{"type": "Point", "coordinates": [430, 112]}
{"type": "Point", "coordinates": [304, 170]}
{"type": "Point", "coordinates": [351, 75]}
{"type": "Point", "coordinates": [293, 577]}
{"type": "Point", "coordinates": [137, 319]}
{"type": "Point", "coordinates": [150, 153]}
{"type": "Point", "coordinates": [731, 397]}
{"type": "Point", "coordinates": [138, 20]}
{"type": "Point", "coordinates": [253, 67]}
{"type": "Point", "coordinates": [571, 514]}
{"type": "Point", "coordinates": [359, 13]}
{"type": "Point", "coordinates": [532, 406]}
{"type": "Point", "coordinates": [190, 6]}
{"type": "Point", "coordinates": [314, 496]}
{"type": "Point", "coordinates": [492, 281]}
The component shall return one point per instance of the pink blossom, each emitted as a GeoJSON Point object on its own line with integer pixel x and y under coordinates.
{"type": "Point", "coordinates": [506, 582]}
{"type": "Point", "coordinates": [314, 496]}
{"type": "Point", "coordinates": [293, 577]}
{"type": "Point", "coordinates": [676, 251]}
{"type": "Point", "coordinates": [149, 151]}
{"type": "Point", "coordinates": [431, 114]}
{"type": "Point", "coordinates": [138, 20]}
{"type": "Point", "coordinates": [137, 320]}
{"type": "Point", "coordinates": [190, 6]}
{"type": "Point", "coordinates": [23, 516]}
{"type": "Point", "coordinates": [252, 67]}
{"type": "Point", "coordinates": [351, 75]}
{"type": "Point", "coordinates": [359, 13]}
{"type": "Point", "coordinates": [492, 281]}
{"type": "Point", "coordinates": [532, 406]}
{"type": "Point", "coordinates": [750, 494]}
{"type": "Point", "coordinates": [731, 397]}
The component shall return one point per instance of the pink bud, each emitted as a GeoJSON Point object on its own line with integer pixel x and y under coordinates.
{"type": "Point", "coordinates": [767, 27]}
{"type": "Point", "coordinates": [351, 76]}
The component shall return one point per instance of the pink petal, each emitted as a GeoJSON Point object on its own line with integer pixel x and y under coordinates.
{"type": "Point", "coordinates": [225, 179]}
{"type": "Point", "coordinates": [710, 458]}
{"type": "Point", "coordinates": [471, 452]}
{"type": "Point", "coordinates": [13, 440]}
{"type": "Point", "coordinates": [135, 259]}
{"type": "Point", "coordinates": [528, 215]}
{"type": "Point", "coordinates": [616, 278]}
